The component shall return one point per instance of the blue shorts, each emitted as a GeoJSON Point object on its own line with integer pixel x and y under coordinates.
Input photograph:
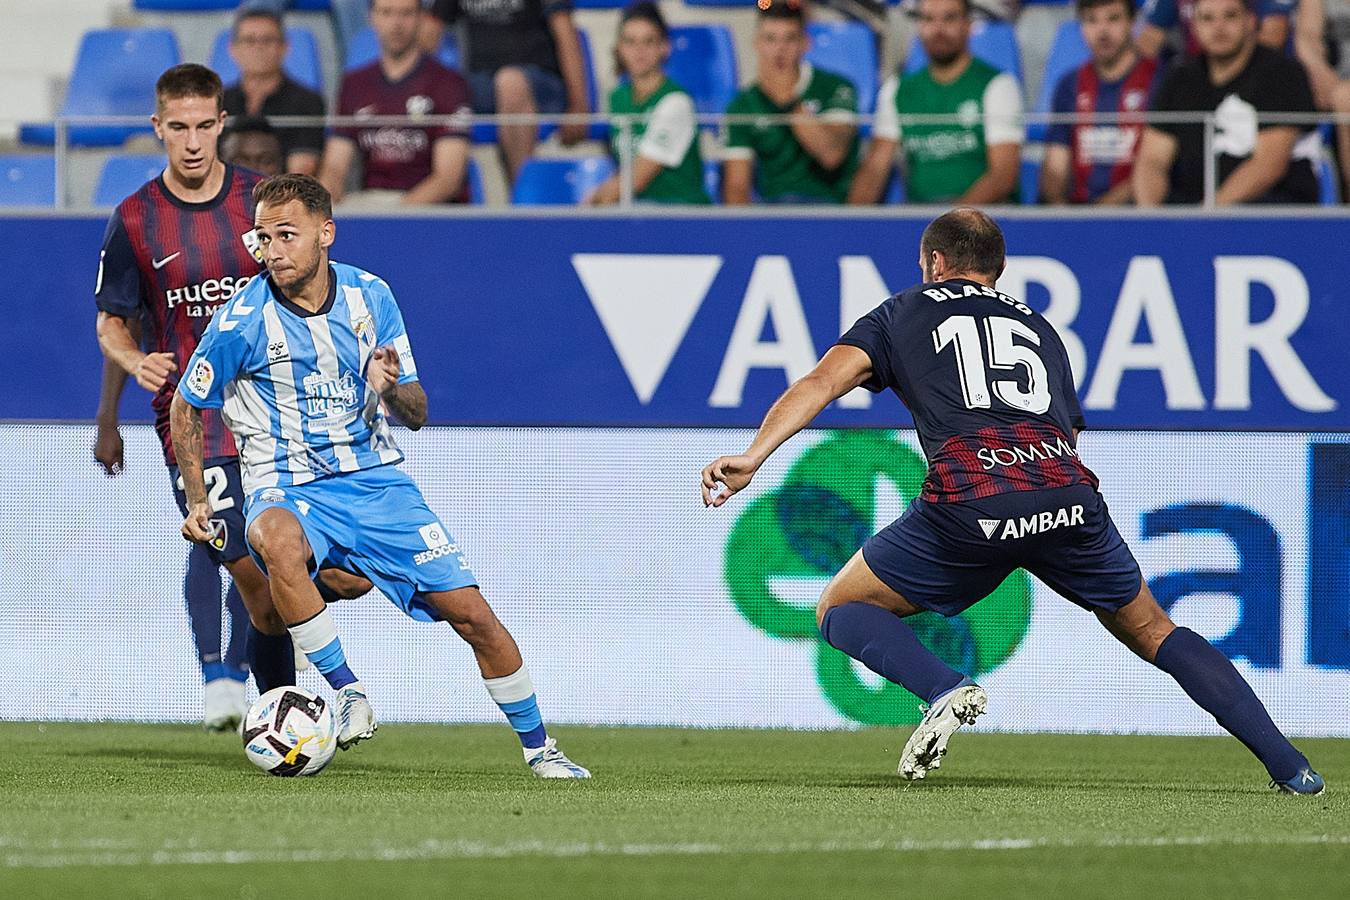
{"type": "Point", "coordinates": [375, 522]}
{"type": "Point", "coordinates": [225, 493]}
{"type": "Point", "coordinates": [550, 93]}
{"type": "Point", "coordinates": [946, 557]}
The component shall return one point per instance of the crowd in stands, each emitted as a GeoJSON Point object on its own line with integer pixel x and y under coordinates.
{"type": "Point", "coordinates": [949, 127]}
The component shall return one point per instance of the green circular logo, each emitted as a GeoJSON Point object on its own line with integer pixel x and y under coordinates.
{"type": "Point", "coordinates": [808, 528]}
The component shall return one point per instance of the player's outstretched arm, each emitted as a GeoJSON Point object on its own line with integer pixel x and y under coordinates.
{"type": "Point", "coordinates": [185, 425]}
{"type": "Point", "coordinates": [842, 369]}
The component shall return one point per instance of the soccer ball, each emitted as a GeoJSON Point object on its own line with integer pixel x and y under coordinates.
{"type": "Point", "coordinates": [290, 731]}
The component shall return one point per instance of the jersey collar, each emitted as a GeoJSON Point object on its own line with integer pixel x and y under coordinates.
{"type": "Point", "coordinates": [300, 310]}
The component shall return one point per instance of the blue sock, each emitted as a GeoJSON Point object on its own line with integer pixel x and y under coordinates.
{"type": "Point", "coordinates": [317, 637]}
{"type": "Point", "coordinates": [878, 639]}
{"type": "Point", "coordinates": [1209, 678]}
{"type": "Point", "coordinates": [236, 651]}
{"type": "Point", "coordinates": [514, 695]}
{"type": "Point", "coordinates": [270, 657]}
{"type": "Point", "coordinates": [201, 593]}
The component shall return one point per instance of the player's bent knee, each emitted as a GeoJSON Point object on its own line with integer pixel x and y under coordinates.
{"type": "Point", "coordinates": [277, 537]}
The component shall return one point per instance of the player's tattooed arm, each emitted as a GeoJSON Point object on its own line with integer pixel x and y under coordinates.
{"type": "Point", "coordinates": [185, 424]}
{"type": "Point", "coordinates": [405, 402]}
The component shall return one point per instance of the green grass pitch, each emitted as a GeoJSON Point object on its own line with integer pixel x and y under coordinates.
{"type": "Point", "coordinates": [429, 811]}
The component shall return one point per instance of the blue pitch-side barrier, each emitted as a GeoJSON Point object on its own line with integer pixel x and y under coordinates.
{"type": "Point", "coordinates": [1174, 323]}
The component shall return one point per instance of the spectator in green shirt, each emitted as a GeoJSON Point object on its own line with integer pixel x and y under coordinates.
{"type": "Point", "coordinates": [663, 143]}
{"type": "Point", "coordinates": [811, 160]}
{"type": "Point", "coordinates": [970, 160]}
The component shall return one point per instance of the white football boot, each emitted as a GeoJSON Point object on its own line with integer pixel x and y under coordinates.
{"type": "Point", "coordinates": [356, 720]}
{"type": "Point", "coordinates": [962, 705]}
{"type": "Point", "coordinates": [223, 704]}
{"type": "Point", "coordinates": [550, 762]}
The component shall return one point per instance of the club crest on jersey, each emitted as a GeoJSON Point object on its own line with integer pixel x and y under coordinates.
{"type": "Point", "coordinates": [272, 495]}
{"type": "Point", "coordinates": [200, 379]}
{"type": "Point", "coordinates": [364, 327]}
{"type": "Point", "coordinates": [220, 533]}
{"type": "Point", "coordinates": [253, 245]}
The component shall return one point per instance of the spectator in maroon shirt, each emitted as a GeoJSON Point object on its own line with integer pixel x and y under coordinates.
{"type": "Point", "coordinates": [415, 165]}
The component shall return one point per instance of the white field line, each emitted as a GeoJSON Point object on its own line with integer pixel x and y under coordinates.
{"type": "Point", "coordinates": [94, 853]}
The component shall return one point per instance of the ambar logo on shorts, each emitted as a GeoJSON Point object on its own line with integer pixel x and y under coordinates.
{"type": "Point", "coordinates": [810, 525]}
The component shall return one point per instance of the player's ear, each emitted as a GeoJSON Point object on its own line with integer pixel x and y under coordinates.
{"type": "Point", "coordinates": [158, 125]}
{"type": "Point", "coordinates": [327, 234]}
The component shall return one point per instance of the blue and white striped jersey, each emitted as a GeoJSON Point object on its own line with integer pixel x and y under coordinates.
{"type": "Point", "coordinates": [291, 384]}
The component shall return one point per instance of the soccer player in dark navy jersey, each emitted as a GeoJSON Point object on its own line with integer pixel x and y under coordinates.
{"type": "Point", "coordinates": [174, 252]}
{"type": "Point", "coordinates": [992, 395]}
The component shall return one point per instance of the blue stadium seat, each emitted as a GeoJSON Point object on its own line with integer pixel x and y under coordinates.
{"type": "Point", "coordinates": [848, 49]}
{"type": "Point", "coordinates": [1029, 182]}
{"type": "Point", "coordinates": [895, 189]}
{"type": "Point", "coordinates": [27, 180]}
{"type": "Point", "coordinates": [993, 42]}
{"type": "Point", "coordinates": [721, 2]}
{"type": "Point", "coordinates": [712, 179]}
{"type": "Point", "coordinates": [301, 63]}
{"type": "Point", "coordinates": [554, 182]}
{"type": "Point", "coordinates": [122, 176]}
{"type": "Point", "coordinates": [185, 5]}
{"type": "Point", "coordinates": [1329, 192]}
{"type": "Point", "coordinates": [1068, 51]}
{"type": "Point", "coordinates": [703, 62]}
{"type": "Point", "coordinates": [474, 176]}
{"type": "Point", "coordinates": [115, 74]}
{"type": "Point", "coordinates": [365, 49]}
{"type": "Point", "coordinates": [311, 5]}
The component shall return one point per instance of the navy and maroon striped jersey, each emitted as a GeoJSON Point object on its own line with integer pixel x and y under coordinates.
{"type": "Point", "coordinates": [171, 264]}
{"type": "Point", "coordinates": [988, 383]}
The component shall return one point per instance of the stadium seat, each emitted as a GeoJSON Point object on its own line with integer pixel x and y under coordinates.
{"type": "Point", "coordinates": [712, 179]}
{"type": "Point", "coordinates": [184, 5]}
{"type": "Point", "coordinates": [1029, 182]}
{"type": "Point", "coordinates": [27, 180]}
{"type": "Point", "coordinates": [1329, 193]}
{"type": "Point", "coordinates": [848, 49]}
{"type": "Point", "coordinates": [301, 63]}
{"type": "Point", "coordinates": [114, 75]}
{"type": "Point", "coordinates": [993, 42]}
{"type": "Point", "coordinates": [474, 176]}
{"type": "Point", "coordinates": [1068, 51]}
{"type": "Point", "coordinates": [365, 49]}
{"type": "Point", "coordinates": [703, 62]}
{"type": "Point", "coordinates": [312, 5]}
{"type": "Point", "coordinates": [554, 182]}
{"type": "Point", "coordinates": [122, 176]}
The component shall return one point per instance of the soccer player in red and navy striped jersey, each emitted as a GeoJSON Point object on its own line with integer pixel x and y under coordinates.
{"type": "Point", "coordinates": [989, 384]}
{"type": "Point", "coordinates": [174, 252]}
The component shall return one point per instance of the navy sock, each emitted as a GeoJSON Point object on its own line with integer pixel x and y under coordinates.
{"type": "Point", "coordinates": [878, 639]}
{"type": "Point", "coordinates": [271, 657]}
{"type": "Point", "coordinates": [236, 651]}
{"type": "Point", "coordinates": [201, 592]}
{"type": "Point", "coordinates": [1208, 678]}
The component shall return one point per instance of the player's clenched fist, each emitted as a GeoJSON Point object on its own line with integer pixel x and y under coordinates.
{"type": "Point", "coordinates": [732, 472]}
{"type": "Point", "coordinates": [153, 370]}
{"type": "Point", "coordinates": [383, 369]}
{"type": "Point", "coordinates": [197, 525]}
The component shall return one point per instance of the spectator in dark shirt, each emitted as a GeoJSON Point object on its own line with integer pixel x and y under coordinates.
{"type": "Point", "coordinates": [258, 46]}
{"type": "Point", "coordinates": [251, 142]}
{"type": "Point", "coordinates": [1239, 82]}
{"type": "Point", "coordinates": [524, 56]}
{"type": "Point", "coordinates": [412, 165]}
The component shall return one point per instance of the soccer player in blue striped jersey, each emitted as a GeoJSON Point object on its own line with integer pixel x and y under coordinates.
{"type": "Point", "coordinates": [302, 364]}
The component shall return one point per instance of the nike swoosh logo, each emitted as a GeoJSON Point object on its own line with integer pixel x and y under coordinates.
{"type": "Point", "coordinates": [161, 263]}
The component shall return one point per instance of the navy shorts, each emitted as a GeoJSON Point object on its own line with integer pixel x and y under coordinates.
{"type": "Point", "coordinates": [225, 493]}
{"type": "Point", "coordinates": [946, 557]}
{"type": "Point", "coordinates": [550, 93]}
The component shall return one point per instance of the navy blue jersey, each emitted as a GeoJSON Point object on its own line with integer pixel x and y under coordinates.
{"type": "Point", "coordinates": [172, 264]}
{"type": "Point", "coordinates": [988, 383]}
